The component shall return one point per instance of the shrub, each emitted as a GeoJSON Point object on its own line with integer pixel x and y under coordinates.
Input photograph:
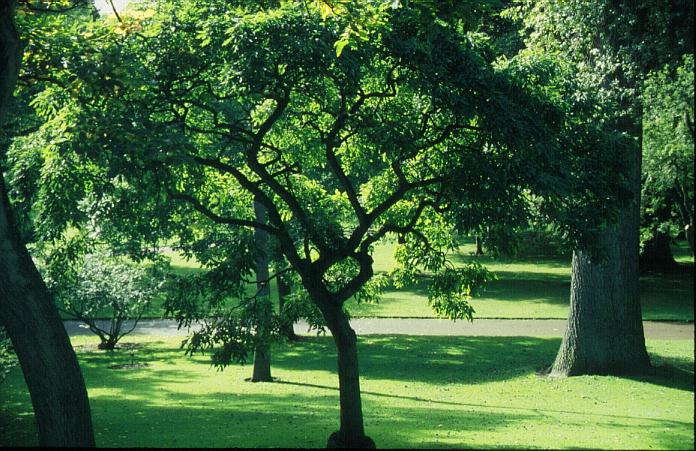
{"type": "Point", "coordinates": [106, 291]}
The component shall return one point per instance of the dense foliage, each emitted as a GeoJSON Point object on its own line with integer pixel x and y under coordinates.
{"type": "Point", "coordinates": [668, 151]}
{"type": "Point", "coordinates": [105, 292]}
{"type": "Point", "coordinates": [164, 125]}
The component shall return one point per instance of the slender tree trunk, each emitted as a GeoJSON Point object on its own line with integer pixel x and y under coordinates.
{"type": "Point", "coordinates": [262, 353]}
{"type": "Point", "coordinates": [605, 329]}
{"type": "Point", "coordinates": [689, 233]}
{"type": "Point", "coordinates": [49, 364]}
{"type": "Point", "coordinates": [479, 246]}
{"type": "Point", "coordinates": [657, 254]}
{"type": "Point", "coordinates": [352, 432]}
{"type": "Point", "coordinates": [283, 291]}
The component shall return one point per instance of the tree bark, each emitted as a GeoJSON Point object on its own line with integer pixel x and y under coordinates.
{"type": "Point", "coordinates": [352, 432]}
{"type": "Point", "coordinates": [262, 353]}
{"type": "Point", "coordinates": [604, 334]}
{"type": "Point", "coordinates": [49, 364]}
{"type": "Point", "coordinates": [657, 254]}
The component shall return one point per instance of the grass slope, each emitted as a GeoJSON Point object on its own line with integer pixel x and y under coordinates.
{"type": "Point", "coordinates": [427, 392]}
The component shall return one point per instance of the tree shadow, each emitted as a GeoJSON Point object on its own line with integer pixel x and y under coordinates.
{"type": "Point", "coordinates": [448, 359]}
{"type": "Point", "coordinates": [160, 406]}
{"type": "Point", "coordinates": [668, 371]}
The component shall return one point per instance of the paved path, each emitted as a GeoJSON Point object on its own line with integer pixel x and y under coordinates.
{"type": "Point", "coordinates": [416, 326]}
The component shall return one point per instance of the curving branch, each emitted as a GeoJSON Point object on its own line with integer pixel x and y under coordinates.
{"type": "Point", "coordinates": [198, 206]}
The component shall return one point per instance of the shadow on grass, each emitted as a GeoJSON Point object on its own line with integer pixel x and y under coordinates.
{"type": "Point", "coordinates": [443, 360]}
{"type": "Point", "coordinates": [158, 406]}
{"type": "Point", "coordinates": [671, 372]}
{"type": "Point", "coordinates": [509, 286]}
{"type": "Point", "coordinates": [528, 259]}
{"type": "Point", "coordinates": [435, 359]}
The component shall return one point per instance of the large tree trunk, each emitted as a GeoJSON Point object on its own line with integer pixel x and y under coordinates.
{"type": "Point", "coordinates": [352, 432]}
{"type": "Point", "coordinates": [605, 329]}
{"type": "Point", "coordinates": [262, 353]}
{"type": "Point", "coordinates": [51, 371]}
{"type": "Point", "coordinates": [657, 254]}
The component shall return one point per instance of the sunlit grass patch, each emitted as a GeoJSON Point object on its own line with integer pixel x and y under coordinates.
{"type": "Point", "coordinates": [481, 392]}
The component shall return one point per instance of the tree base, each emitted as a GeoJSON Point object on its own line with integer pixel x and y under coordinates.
{"type": "Point", "coordinates": [338, 440]}
{"type": "Point", "coordinates": [633, 369]}
{"type": "Point", "coordinates": [249, 379]}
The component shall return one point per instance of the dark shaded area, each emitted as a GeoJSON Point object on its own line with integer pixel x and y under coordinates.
{"type": "Point", "coordinates": [656, 255]}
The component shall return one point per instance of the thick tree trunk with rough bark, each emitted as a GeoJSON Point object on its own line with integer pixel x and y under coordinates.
{"type": "Point", "coordinates": [262, 353]}
{"type": "Point", "coordinates": [51, 371]}
{"type": "Point", "coordinates": [605, 330]}
{"type": "Point", "coordinates": [657, 254]}
{"type": "Point", "coordinates": [351, 433]}
{"type": "Point", "coordinates": [50, 367]}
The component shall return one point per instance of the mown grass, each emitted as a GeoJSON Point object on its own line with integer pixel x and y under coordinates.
{"type": "Point", "coordinates": [527, 286]}
{"type": "Point", "coordinates": [418, 392]}
{"type": "Point", "coordinates": [531, 287]}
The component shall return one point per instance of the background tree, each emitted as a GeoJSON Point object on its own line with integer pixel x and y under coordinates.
{"type": "Point", "coordinates": [50, 368]}
{"type": "Point", "coordinates": [668, 155]}
{"type": "Point", "coordinates": [98, 285]}
{"type": "Point", "coordinates": [613, 44]}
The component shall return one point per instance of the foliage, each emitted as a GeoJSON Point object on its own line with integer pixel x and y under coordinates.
{"type": "Point", "coordinates": [612, 45]}
{"type": "Point", "coordinates": [668, 149]}
{"type": "Point", "coordinates": [412, 131]}
{"type": "Point", "coordinates": [103, 284]}
{"type": "Point", "coordinates": [8, 359]}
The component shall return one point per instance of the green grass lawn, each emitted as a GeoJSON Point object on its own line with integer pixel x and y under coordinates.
{"type": "Point", "coordinates": [427, 392]}
{"type": "Point", "coordinates": [530, 287]}
{"type": "Point", "coordinates": [526, 287]}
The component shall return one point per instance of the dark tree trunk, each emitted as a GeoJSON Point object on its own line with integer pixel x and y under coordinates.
{"type": "Point", "coordinates": [262, 353]}
{"type": "Point", "coordinates": [49, 364]}
{"type": "Point", "coordinates": [657, 254]}
{"type": "Point", "coordinates": [479, 246]}
{"type": "Point", "coordinates": [107, 344]}
{"type": "Point", "coordinates": [288, 330]}
{"type": "Point", "coordinates": [605, 329]}
{"type": "Point", "coordinates": [352, 432]}
{"type": "Point", "coordinates": [50, 367]}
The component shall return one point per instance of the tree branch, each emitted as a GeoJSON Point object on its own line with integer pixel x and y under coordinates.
{"type": "Point", "coordinates": [198, 206]}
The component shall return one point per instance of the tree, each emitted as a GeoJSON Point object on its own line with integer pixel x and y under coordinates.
{"type": "Point", "coordinates": [226, 106]}
{"type": "Point", "coordinates": [668, 155]}
{"type": "Point", "coordinates": [50, 367]}
{"type": "Point", "coordinates": [613, 44]}
{"type": "Point", "coordinates": [262, 353]}
{"type": "Point", "coordinates": [102, 284]}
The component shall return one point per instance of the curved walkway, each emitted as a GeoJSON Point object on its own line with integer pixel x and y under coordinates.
{"type": "Point", "coordinates": [661, 330]}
